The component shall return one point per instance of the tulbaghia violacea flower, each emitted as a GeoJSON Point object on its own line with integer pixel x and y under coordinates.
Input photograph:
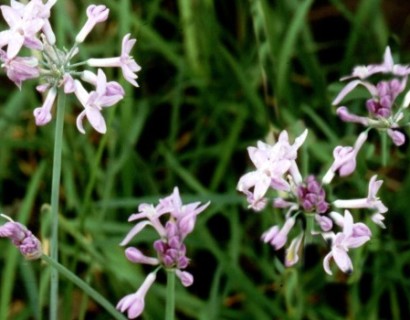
{"type": "Point", "coordinates": [345, 159]}
{"type": "Point", "coordinates": [363, 72]}
{"type": "Point", "coordinates": [134, 303]}
{"type": "Point", "coordinates": [19, 69]}
{"type": "Point", "coordinates": [170, 248]}
{"type": "Point", "coordinates": [29, 26]}
{"type": "Point", "coordinates": [43, 113]}
{"type": "Point", "coordinates": [277, 237]}
{"type": "Point", "coordinates": [94, 101]}
{"type": "Point", "coordinates": [126, 62]}
{"type": "Point", "coordinates": [272, 162]}
{"type": "Point", "coordinates": [22, 238]}
{"type": "Point", "coordinates": [22, 30]}
{"type": "Point", "coordinates": [95, 14]}
{"type": "Point", "coordinates": [342, 242]}
{"type": "Point", "coordinates": [380, 106]}
{"type": "Point", "coordinates": [371, 202]}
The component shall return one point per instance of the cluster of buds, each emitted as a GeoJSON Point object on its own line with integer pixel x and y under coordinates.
{"type": "Point", "coordinates": [276, 169]}
{"type": "Point", "coordinates": [22, 238]}
{"type": "Point", "coordinates": [29, 27]}
{"type": "Point", "coordinates": [384, 112]}
{"type": "Point", "coordinates": [170, 248]}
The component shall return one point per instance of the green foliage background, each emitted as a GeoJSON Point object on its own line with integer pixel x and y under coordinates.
{"type": "Point", "coordinates": [216, 77]}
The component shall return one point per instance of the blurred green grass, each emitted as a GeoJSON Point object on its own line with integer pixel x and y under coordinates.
{"type": "Point", "coordinates": [216, 76]}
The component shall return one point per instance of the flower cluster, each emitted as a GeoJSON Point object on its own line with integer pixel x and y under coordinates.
{"type": "Point", "coordinates": [22, 238]}
{"type": "Point", "coordinates": [29, 27]}
{"type": "Point", "coordinates": [170, 248]}
{"type": "Point", "coordinates": [302, 199]}
{"type": "Point", "coordinates": [384, 112]}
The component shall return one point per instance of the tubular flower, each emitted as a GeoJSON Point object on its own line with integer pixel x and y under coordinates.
{"type": "Point", "coordinates": [126, 62]}
{"type": "Point", "coordinates": [272, 162]}
{"type": "Point", "coordinates": [341, 243]}
{"type": "Point", "coordinates": [22, 238]}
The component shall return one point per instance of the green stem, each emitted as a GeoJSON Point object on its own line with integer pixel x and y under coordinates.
{"type": "Point", "coordinates": [310, 226]}
{"type": "Point", "coordinates": [170, 303]}
{"type": "Point", "coordinates": [55, 193]}
{"type": "Point", "coordinates": [84, 286]}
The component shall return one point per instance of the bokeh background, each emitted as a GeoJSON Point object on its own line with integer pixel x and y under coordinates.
{"type": "Point", "coordinates": [216, 77]}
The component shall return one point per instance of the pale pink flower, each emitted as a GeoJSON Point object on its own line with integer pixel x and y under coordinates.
{"type": "Point", "coordinates": [363, 72]}
{"type": "Point", "coordinates": [22, 238]}
{"type": "Point", "coordinates": [371, 202]}
{"type": "Point", "coordinates": [396, 136]}
{"type": "Point", "coordinates": [272, 162]}
{"type": "Point", "coordinates": [136, 256]}
{"type": "Point", "coordinates": [95, 14]}
{"type": "Point", "coordinates": [278, 237]}
{"type": "Point", "coordinates": [341, 243]}
{"type": "Point", "coordinates": [93, 103]}
{"type": "Point", "coordinates": [22, 31]}
{"type": "Point", "coordinates": [43, 114]}
{"type": "Point", "coordinates": [19, 69]}
{"type": "Point", "coordinates": [345, 159]}
{"type": "Point", "coordinates": [126, 62]}
{"type": "Point", "coordinates": [185, 277]}
{"type": "Point", "coordinates": [134, 303]}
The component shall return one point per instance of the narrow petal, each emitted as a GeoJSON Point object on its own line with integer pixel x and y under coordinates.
{"type": "Point", "coordinates": [134, 231]}
{"type": "Point", "coordinates": [96, 119]}
{"type": "Point", "coordinates": [342, 260]}
{"type": "Point", "coordinates": [326, 263]}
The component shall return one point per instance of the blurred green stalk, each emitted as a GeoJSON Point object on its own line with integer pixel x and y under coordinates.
{"type": "Point", "coordinates": [57, 267]}
{"type": "Point", "coordinates": [170, 303]}
{"type": "Point", "coordinates": [55, 193]}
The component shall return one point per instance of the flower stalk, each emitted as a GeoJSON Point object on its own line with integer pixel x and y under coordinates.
{"type": "Point", "coordinates": [55, 194]}
{"type": "Point", "coordinates": [170, 304]}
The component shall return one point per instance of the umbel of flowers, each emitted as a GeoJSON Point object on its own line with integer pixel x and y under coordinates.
{"type": "Point", "coordinates": [170, 248]}
{"type": "Point", "coordinates": [276, 169]}
{"type": "Point", "coordinates": [29, 27]}
{"type": "Point", "coordinates": [385, 111]}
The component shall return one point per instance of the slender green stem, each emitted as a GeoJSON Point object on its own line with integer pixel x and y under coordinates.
{"type": "Point", "coordinates": [84, 286]}
{"type": "Point", "coordinates": [170, 303]}
{"type": "Point", "coordinates": [384, 147]}
{"type": "Point", "coordinates": [55, 192]}
{"type": "Point", "coordinates": [310, 226]}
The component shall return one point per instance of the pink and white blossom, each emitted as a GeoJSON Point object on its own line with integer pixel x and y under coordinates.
{"type": "Point", "coordinates": [134, 303]}
{"type": "Point", "coordinates": [23, 30]}
{"type": "Point", "coordinates": [19, 69]}
{"type": "Point", "coordinates": [94, 102]}
{"type": "Point", "coordinates": [126, 62]}
{"type": "Point", "coordinates": [42, 114]}
{"type": "Point", "coordinates": [272, 162]}
{"type": "Point", "coordinates": [22, 238]}
{"type": "Point", "coordinates": [345, 159]}
{"type": "Point", "coordinates": [95, 14]}
{"type": "Point", "coordinates": [371, 202]}
{"type": "Point", "coordinates": [277, 237]}
{"type": "Point", "coordinates": [341, 243]}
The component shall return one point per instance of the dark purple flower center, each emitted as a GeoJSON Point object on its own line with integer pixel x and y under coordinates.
{"type": "Point", "coordinates": [312, 196]}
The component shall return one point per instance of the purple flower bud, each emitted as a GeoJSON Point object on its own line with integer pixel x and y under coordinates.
{"type": "Point", "coordinates": [22, 238]}
{"type": "Point", "coordinates": [186, 278]}
{"type": "Point", "coordinates": [324, 222]}
{"type": "Point", "coordinates": [397, 137]}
